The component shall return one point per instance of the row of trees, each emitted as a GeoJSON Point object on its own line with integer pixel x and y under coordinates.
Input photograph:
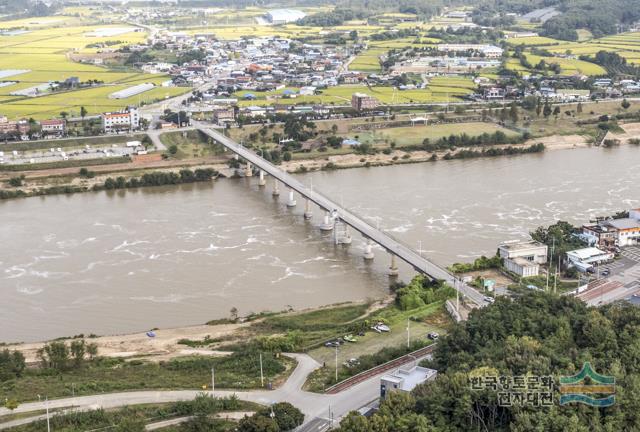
{"type": "Point", "coordinates": [62, 357]}
{"type": "Point", "coordinates": [159, 178]}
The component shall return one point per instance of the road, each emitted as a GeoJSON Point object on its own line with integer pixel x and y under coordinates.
{"type": "Point", "coordinates": [392, 245]}
{"type": "Point", "coordinates": [318, 408]}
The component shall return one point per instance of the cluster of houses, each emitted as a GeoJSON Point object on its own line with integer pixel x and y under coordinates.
{"type": "Point", "coordinates": [604, 239]}
{"type": "Point", "coordinates": [127, 119]}
{"type": "Point", "coordinates": [614, 233]}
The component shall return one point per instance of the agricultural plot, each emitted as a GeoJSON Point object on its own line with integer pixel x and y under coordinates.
{"type": "Point", "coordinates": [368, 61]}
{"type": "Point", "coordinates": [43, 54]}
{"type": "Point", "coordinates": [568, 66]}
{"type": "Point", "coordinates": [440, 89]}
{"type": "Point", "coordinates": [533, 41]}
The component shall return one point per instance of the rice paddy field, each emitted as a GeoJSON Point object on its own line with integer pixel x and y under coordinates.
{"type": "Point", "coordinates": [625, 44]}
{"type": "Point", "coordinates": [440, 89]}
{"type": "Point", "coordinates": [44, 52]}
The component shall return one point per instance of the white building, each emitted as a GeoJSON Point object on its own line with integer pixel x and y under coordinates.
{"type": "Point", "coordinates": [284, 16]}
{"type": "Point", "coordinates": [522, 267]}
{"type": "Point", "coordinates": [129, 118]}
{"type": "Point", "coordinates": [628, 229]}
{"type": "Point", "coordinates": [588, 256]}
{"type": "Point", "coordinates": [405, 379]}
{"type": "Point", "coordinates": [490, 51]}
{"type": "Point", "coordinates": [532, 251]}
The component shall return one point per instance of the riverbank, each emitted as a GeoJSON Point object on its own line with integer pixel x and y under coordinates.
{"type": "Point", "coordinates": [68, 180]}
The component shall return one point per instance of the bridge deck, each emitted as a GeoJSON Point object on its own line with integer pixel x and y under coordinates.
{"type": "Point", "coordinates": [393, 246]}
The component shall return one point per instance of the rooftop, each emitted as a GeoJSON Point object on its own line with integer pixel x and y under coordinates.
{"type": "Point", "coordinates": [586, 253]}
{"type": "Point", "coordinates": [621, 224]}
{"type": "Point", "coordinates": [522, 245]}
{"type": "Point", "coordinates": [410, 378]}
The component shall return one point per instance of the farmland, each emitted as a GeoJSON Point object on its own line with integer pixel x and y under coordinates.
{"type": "Point", "coordinates": [440, 89]}
{"type": "Point", "coordinates": [44, 52]}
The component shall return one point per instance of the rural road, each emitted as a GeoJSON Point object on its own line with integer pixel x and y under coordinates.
{"type": "Point", "coordinates": [316, 407]}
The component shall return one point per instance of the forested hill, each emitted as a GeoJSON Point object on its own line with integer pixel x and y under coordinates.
{"type": "Point", "coordinates": [534, 335]}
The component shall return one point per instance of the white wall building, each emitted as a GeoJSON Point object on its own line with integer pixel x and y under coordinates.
{"type": "Point", "coordinates": [532, 251]}
{"type": "Point", "coordinates": [405, 379]}
{"type": "Point", "coordinates": [128, 118]}
{"type": "Point", "coordinates": [522, 267]}
{"type": "Point", "coordinates": [284, 16]}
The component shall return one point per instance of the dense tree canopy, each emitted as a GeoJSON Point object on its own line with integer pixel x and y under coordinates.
{"type": "Point", "coordinates": [534, 334]}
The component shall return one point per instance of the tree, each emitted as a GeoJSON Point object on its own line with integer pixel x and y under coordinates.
{"type": "Point", "coordinates": [12, 364]}
{"type": "Point", "coordinates": [54, 355]}
{"type": "Point", "coordinates": [625, 104]}
{"type": "Point", "coordinates": [579, 108]}
{"type": "Point", "coordinates": [234, 313]}
{"type": "Point", "coordinates": [546, 112]}
{"type": "Point", "coordinates": [92, 350]}
{"type": "Point", "coordinates": [83, 112]}
{"type": "Point", "coordinates": [173, 149]}
{"type": "Point", "coordinates": [556, 112]}
{"type": "Point", "coordinates": [78, 350]}
{"type": "Point", "coordinates": [286, 156]}
{"type": "Point", "coordinates": [513, 112]}
{"type": "Point", "coordinates": [286, 416]}
{"type": "Point", "coordinates": [538, 108]}
{"type": "Point", "coordinates": [64, 114]}
{"type": "Point", "coordinates": [258, 423]}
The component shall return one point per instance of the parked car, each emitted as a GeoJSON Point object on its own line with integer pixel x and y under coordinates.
{"type": "Point", "coordinates": [332, 344]}
{"type": "Point", "coordinates": [489, 299]}
{"type": "Point", "coordinates": [433, 336]}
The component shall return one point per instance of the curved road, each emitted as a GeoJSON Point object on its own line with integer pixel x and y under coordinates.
{"type": "Point", "coordinates": [315, 406]}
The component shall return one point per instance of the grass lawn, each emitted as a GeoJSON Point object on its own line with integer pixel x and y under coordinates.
{"type": "Point", "coordinates": [316, 326]}
{"type": "Point", "coordinates": [192, 144]}
{"type": "Point", "coordinates": [413, 135]}
{"type": "Point", "coordinates": [236, 371]}
{"type": "Point", "coordinates": [424, 320]}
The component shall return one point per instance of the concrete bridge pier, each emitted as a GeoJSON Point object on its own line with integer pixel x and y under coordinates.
{"type": "Point", "coordinates": [262, 181]}
{"type": "Point", "coordinates": [248, 171]}
{"type": "Point", "coordinates": [307, 209]}
{"type": "Point", "coordinates": [276, 191]}
{"type": "Point", "coordinates": [368, 252]}
{"type": "Point", "coordinates": [327, 223]}
{"type": "Point", "coordinates": [292, 201]}
{"type": "Point", "coordinates": [393, 268]}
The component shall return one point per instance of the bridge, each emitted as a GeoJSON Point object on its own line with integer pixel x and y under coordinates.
{"type": "Point", "coordinates": [336, 213]}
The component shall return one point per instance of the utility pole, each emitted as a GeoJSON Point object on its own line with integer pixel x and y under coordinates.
{"type": "Point", "coordinates": [553, 245]}
{"type": "Point", "coordinates": [336, 364]}
{"type": "Point", "coordinates": [408, 333]}
{"type": "Point", "coordinates": [261, 374]}
{"type": "Point", "coordinates": [213, 382]}
{"type": "Point", "coordinates": [47, 408]}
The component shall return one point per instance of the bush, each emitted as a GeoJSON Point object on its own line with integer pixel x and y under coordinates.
{"type": "Point", "coordinates": [16, 181]}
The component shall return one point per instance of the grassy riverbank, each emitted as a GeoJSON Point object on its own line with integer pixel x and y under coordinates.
{"type": "Point", "coordinates": [238, 370]}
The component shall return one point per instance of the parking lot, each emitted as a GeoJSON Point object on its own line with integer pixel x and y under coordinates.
{"type": "Point", "coordinates": [58, 154]}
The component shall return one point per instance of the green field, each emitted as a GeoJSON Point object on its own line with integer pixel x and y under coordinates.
{"type": "Point", "coordinates": [440, 89]}
{"type": "Point", "coordinates": [414, 135]}
{"type": "Point", "coordinates": [44, 53]}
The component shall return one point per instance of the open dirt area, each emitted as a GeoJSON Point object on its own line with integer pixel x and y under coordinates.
{"type": "Point", "coordinates": [161, 347]}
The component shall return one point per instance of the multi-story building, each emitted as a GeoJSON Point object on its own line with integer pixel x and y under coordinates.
{"type": "Point", "coordinates": [627, 230]}
{"type": "Point", "coordinates": [361, 102]}
{"type": "Point", "coordinates": [128, 118]}
{"type": "Point", "coordinates": [532, 251]}
{"type": "Point", "coordinates": [6, 126]}
{"type": "Point", "coordinates": [53, 127]}
{"type": "Point", "coordinates": [224, 115]}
